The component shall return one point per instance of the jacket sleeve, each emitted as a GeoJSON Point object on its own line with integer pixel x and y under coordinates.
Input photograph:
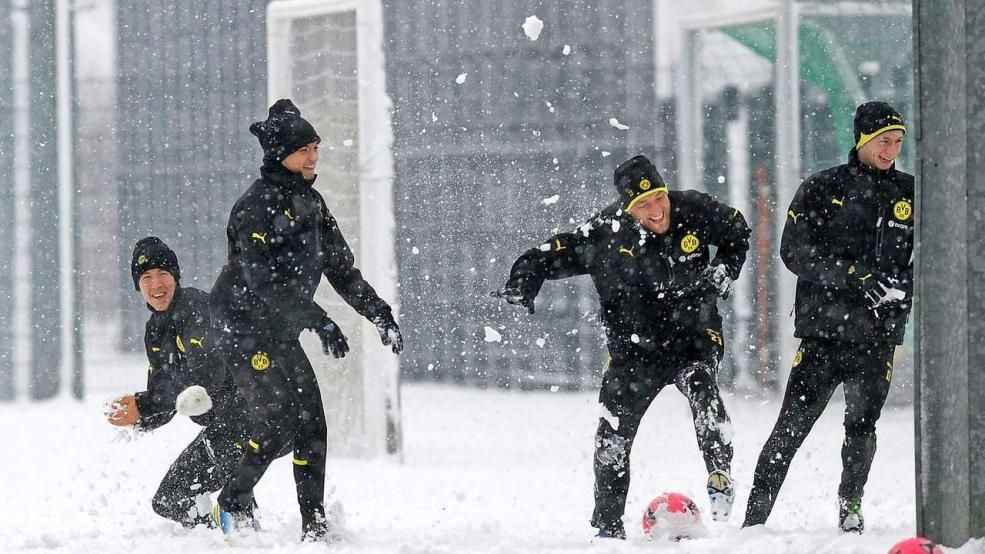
{"type": "Point", "coordinates": [344, 276]}
{"type": "Point", "coordinates": [265, 259]}
{"type": "Point", "coordinates": [561, 256]}
{"type": "Point", "coordinates": [729, 233]}
{"type": "Point", "coordinates": [156, 404]}
{"type": "Point", "coordinates": [805, 248]}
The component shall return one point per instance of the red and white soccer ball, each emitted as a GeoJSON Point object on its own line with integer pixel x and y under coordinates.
{"type": "Point", "coordinates": [916, 545]}
{"type": "Point", "coordinates": [674, 516]}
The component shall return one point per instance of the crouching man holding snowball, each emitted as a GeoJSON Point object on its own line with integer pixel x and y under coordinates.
{"type": "Point", "coordinates": [183, 377]}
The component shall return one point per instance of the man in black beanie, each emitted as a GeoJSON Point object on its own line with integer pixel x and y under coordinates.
{"type": "Point", "coordinates": [648, 256]}
{"type": "Point", "coordinates": [184, 375]}
{"type": "Point", "coordinates": [849, 239]}
{"type": "Point", "coordinates": [282, 239]}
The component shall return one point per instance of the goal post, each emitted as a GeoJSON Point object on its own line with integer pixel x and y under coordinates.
{"type": "Point", "coordinates": [327, 56]}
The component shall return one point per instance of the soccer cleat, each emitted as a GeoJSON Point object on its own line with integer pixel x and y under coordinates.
{"type": "Point", "coordinates": [721, 495]}
{"type": "Point", "coordinates": [616, 531]}
{"type": "Point", "coordinates": [234, 522]}
{"type": "Point", "coordinates": [850, 516]}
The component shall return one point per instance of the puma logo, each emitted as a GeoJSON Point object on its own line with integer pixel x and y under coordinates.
{"type": "Point", "coordinates": [262, 238]}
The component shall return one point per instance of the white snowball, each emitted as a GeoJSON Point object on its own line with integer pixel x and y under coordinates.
{"type": "Point", "coordinates": [532, 26]}
{"type": "Point", "coordinates": [193, 401]}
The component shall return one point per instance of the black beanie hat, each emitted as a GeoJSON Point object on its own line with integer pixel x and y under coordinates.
{"type": "Point", "coordinates": [636, 179]}
{"type": "Point", "coordinates": [283, 132]}
{"type": "Point", "coordinates": [873, 119]}
{"type": "Point", "coordinates": [151, 253]}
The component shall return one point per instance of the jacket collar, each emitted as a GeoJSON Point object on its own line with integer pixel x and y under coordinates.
{"type": "Point", "coordinates": [276, 174]}
{"type": "Point", "coordinates": [864, 169]}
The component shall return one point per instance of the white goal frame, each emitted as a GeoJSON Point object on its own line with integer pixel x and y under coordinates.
{"type": "Point", "coordinates": [361, 392]}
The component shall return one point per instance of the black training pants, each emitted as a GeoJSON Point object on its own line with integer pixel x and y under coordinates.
{"type": "Point", "coordinates": [628, 389]}
{"type": "Point", "coordinates": [819, 367]}
{"type": "Point", "coordinates": [203, 467]}
{"type": "Point", "coordinates": [285, 411]}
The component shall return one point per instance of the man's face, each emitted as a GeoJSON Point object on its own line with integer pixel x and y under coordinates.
{"type": "Point", "coordinates": [880, 153]}
{"type": "Point", "coordinates": [157, 287]}
{"type": "Point", "coordinates": [653, 213]}
{"type": "Point", "coordinates": [303, 160]}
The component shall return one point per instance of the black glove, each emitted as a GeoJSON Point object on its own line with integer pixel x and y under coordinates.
{"type": "Point", "coordinates": [333, 342]}
{"type": "Point", "coordinates": [514, 296]}
{"type": "Point", "coordinates": [389, 333]}
{"type": "Point", "coordinates": [880, 290]}
{"type": "Point", "coordinates": [718, 277]}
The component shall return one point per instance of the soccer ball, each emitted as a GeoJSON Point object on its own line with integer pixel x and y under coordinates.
{"type": "Point", "coordinates": [672, 515]}
{"type": "Point", "coordinates": [916, 545]}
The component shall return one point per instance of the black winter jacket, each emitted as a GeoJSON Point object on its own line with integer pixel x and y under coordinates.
{"type": "Point", "coordinates": [844, 223]}
{"type": "Point", "coordinates": [282, 239]}
{"type": "Point", "coordinates": [179, 345]}
{"type": "Point", "coordinates": [649, 288]}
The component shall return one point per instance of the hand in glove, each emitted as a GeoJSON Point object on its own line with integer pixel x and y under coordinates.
{"type": "Point", "coordinates": [389, 333]}
{"type": "Point", "coordinates": [718, 277]}
{"type": "Point", "coordinates": [880, 290]}
{"type": "Point", "coordinates": [514, 296]}
{"type": "Point", "coordinates": [333, 342]}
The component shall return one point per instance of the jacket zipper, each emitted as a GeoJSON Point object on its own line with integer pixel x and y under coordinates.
{"type": "Point", "coordinates": [879, 233]}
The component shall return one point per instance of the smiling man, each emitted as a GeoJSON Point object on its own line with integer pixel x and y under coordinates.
{"type": "Point", "coordinates": [282, 240]}
{"type": "Point", "coordinates": [648, 255]}
{"type": "Point", "coordinates": [179, 344]}
{"type": "Point", "coordinates": [849, 239]}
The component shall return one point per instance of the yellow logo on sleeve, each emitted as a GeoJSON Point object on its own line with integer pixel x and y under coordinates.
{"type": "Point", "coordinates": [903, 210]}
{"type": "Point", "coordinates": [799, 357]}
{"type": "Point", "coordinates": [260, 361]}
{"type": "Point", "coordinates": [690, 243]}
{"type": "Point", "coordinates": [262, 238]}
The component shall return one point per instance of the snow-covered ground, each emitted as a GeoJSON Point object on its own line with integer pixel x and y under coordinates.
{"type": "Point", "coordinates": [485, 471]}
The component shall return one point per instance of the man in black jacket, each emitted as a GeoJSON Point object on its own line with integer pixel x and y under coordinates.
{"type": "Point", "coordinates": [849, 239]}
{"type": "Point", "coordinates": [648, 257]}
{"type": "Point", "coordinates": [179, 343]}
{"type": "Point", "coordinates": [282, 239]}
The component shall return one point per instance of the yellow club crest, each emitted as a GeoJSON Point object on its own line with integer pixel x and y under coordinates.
{"type": "Point", "coordinates": [851, 270]}
{"type": "Point", "coordinates": [690, 243]}
{"type": "Point", "coordinates": [141, 260]}
{"type": "Point", "coordinates": [903, 210]}
{"type": "Point", "coordinates": [799, 357]}
{"type": "Point", "coordinates": [260, 361]}
{"type": "Point", "coordinates": [645, 184]}
{"type": "Point", "coordinates": [181, 345]}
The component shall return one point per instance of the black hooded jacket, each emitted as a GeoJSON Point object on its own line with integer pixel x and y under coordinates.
{"type": "Point", "coordinates": [844, 223]}
{"type": "Point", "coordinates": [282, 239]}
{"type": "Point", "coordinates": [179, 345]}
{"type": "Point", "coordinates": [651, 295]}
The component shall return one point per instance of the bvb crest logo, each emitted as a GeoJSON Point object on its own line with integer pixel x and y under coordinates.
{"type": "Point", "coordinates": [180, 345]}
{"type": "Point", "coordinates": [799, 357]}
{"type": "Point", "coordinates": [645, 184]}
{"type": "Point", "coordinates": [141, 260]}
{"type": "Point", "coordinates": [902, 210]}
{"type": "Point", "coordinates": [690, 243]}
{"type": "Point", "coordinates": [260, 361]}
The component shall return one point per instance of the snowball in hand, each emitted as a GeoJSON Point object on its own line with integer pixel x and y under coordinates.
{"type": "Point", "coordinates": [532, 26]}
{"type": "Point", "coordinates": [193, 401]}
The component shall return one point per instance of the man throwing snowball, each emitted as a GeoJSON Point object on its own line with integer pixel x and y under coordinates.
{"type": "Point", "coordinates": [658, 286]}
{"type": "Point", "coordinates": [178, 339]}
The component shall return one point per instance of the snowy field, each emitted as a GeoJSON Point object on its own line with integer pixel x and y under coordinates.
{"type": "Point", "coordinates": [485, 471]}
